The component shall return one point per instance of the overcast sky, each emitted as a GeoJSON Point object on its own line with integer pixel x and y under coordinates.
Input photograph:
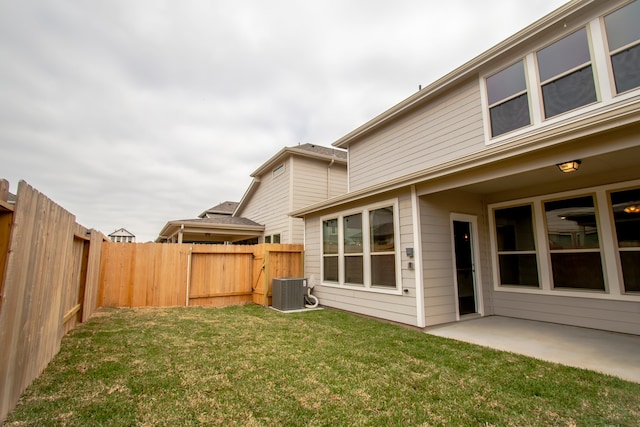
{"type": "Point", "coordinates": [130, 113]}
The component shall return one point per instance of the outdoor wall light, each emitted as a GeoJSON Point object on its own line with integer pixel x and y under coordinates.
{"type": "Point", "coordinates": [571, 166]}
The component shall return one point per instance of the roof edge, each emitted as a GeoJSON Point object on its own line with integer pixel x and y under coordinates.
{"type": "Point", "coordinates": [463, 71]}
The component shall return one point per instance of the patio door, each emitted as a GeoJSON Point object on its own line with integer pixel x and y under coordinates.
{"type": "Point", "coordinates": [465, 265]}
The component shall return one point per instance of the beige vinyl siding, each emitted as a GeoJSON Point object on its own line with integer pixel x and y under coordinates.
{"type": "Point", "coordinates": [435, 215]}
{"type": "Point", "coordinates": [616, 316]}
{"type": "Point", "coordinates": [314, 181]}
{"type": "Point", "coordinates": [311, 179]}
{"type": "Point", "coordinates": [448, 128]}
{"type": "Point", "coordinates": [269, 205]}
{"type": "Point", "coordinates": [397, 308]}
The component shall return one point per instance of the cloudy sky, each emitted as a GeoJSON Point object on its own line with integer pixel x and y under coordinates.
{"type": "Point", "coordinates": [130, 113]}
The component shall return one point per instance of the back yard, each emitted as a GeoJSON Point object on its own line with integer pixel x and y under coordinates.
{"type": "Point", "coordinates": [249, 365]}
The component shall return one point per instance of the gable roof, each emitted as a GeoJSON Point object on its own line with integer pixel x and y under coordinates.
{"type": "Point", "coordinates": [303, 150]}
{"type": "Point", "coordinates": [467, 70]}
{"type": "Point", "coordinates": [224, 208]}
{"type": "Point", "coordinates": [121, 232]}
{"type": "Point", "coordinates": [216, 228]}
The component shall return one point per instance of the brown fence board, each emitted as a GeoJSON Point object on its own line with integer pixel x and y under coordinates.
{"type": "Point", "coordinates": [157, 274]}
{"type": "Point", "coordinates": [44, 284]}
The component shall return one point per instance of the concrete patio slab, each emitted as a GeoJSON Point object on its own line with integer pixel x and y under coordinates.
{"type": "Point", "coordinates": [607, 352]}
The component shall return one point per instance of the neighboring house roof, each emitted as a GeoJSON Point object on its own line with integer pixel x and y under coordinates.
{"type": "Point", "coordinates": [11, 199]}
{"type": "Point", "coordinates": [224, 208]}
{"type": "Point", "coordinates": [121, 232]}
{"type": "Point", "coordinates": [215, 228]}
{"type": "Point", "coordinates": [304, 150]}
{"type": "Point", "coordinates": [463, 72]}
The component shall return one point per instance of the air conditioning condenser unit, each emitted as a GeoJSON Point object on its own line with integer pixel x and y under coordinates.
{"type": "Point", "coordinates": [288, 293]}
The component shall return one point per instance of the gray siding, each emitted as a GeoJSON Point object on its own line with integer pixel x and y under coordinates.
{"type": "Point", "coordinates": [314, 181]}
{"type": "Point", "coordinates": [269, 205]}
{"type": "Point", "coordinates": [397, 308]}
{"type": "Point", "coordinates": [617, 316]}
{"type": "Point", "coordinates": [448, 128]}
{"type": "Point", "coordinates": [435, 216]}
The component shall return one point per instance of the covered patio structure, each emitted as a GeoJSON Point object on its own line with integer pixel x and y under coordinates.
{"type": "Point", "coordinates": [215, 229]}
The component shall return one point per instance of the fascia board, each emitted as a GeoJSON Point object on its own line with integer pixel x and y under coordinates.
{"type": "Point", "coordinates": [463, 72]}
{"type": "Point", "coordinates": [590, 125]}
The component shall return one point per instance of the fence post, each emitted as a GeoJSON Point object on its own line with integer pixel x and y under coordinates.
{"type": "Point", "coordinates": [267, 273]}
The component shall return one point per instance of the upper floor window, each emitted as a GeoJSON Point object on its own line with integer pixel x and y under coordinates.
{"type": "Point", "coordinates": [566, 74]}
{"type": "Point", "coordinates": [508, 99]}
{"type": "Point", "coordinates": [623, 36]}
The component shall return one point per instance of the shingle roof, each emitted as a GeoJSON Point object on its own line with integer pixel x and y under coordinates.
{"type": "Point", "coordinates": [318, 149]}
{"type": "Point", "coordinates": [221, 220]}
{"type": "Point", "coordinates": [225, 208]}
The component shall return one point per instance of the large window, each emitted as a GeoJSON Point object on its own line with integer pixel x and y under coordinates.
{"type": "Point", "coordinates": [566, 75]}
{"type": "Point", "coordinates": [383, 253]}
{"type": "Point", "coordinates": [517, 260]}
{"type": "Point", "coordinates": [508, 100]}
{"type": "Point", "coordinates": [574, 245]}
{"type": "Point", "coordinates": [359, 249]}
{"type": "Point", "coordinates": [353, 250]}
{"type": "Point", "coordinates": [626, 213]}
{"type": "Point", "coordinates": [623, 36]}
{"type": "Point", "coordinates": [330, 250]}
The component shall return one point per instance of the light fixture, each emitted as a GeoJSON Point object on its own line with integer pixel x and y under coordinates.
{"type": "Point", "coordinates": [632, 209]}
{"type": "Point", "coordinates": [571, 166]}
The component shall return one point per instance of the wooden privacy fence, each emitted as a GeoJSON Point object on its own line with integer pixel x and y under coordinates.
{"type": "Point", "coordinates": [166, 274]}
{"type": "Point", "coordinates": [49, 270]}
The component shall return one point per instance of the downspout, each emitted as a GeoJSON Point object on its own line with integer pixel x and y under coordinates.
{"type": "Point", "coordinates": [333, 160]}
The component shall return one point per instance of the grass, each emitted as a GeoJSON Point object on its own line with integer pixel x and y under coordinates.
{"type": "Point", "coordinates": [253, 366]}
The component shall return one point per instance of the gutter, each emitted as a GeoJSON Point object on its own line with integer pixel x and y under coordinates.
{"type": "Point", "coordinates": [588, 125]}
{"type": "Point", "coordinates": [465, 71]}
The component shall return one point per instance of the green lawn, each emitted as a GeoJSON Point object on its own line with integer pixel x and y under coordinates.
{"type": "Point", "coordinates": [254, 366]}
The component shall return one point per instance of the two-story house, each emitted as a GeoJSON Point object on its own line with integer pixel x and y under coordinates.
{"type": "Point", "coordinates": [294, 177]}
{"type": "Point", "coordinates": [510, 186]}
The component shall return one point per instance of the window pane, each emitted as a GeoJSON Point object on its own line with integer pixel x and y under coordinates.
{"type": "Point", "coordinates": [267, 239]}
{"type": "Point", "coordinates": [577, 270]}
{"type": "Point", "coordinates": [626, 214]}
{"type": "Point", "coordinates": [383, 270]}
{"type": "Point", "coordinates": [622, 26]}
{"type": "Point", "coordinates": [631, 270]}
{"type": "Point", "coordinates": [571, 224]}
{"type": "Point", "coordinates": [330, 236]}
{"type": "Point", "coordinates": [569, 92]}
{"type": "Point", "coordinates": [330, 269]}
{"type": "Point", "coordinates": [510, 115]}
{"type": "Point", "coordinates": [276, 238]}
{"type": "Point", "coordinates": [382, 236]}
{"type": "Point", "coordinates": [353, 234]}
{"type": "Point", "coordinates": [353, 270]}
{"type": "Point", "coordinates": [564, 55]}
{"type": "Point", "coordinates": [518, 270]}
{"type": "Point", "coordinates": [514, 229]}
{"type": "Point", "coordinates": [506, 83]}
{"type": "Point", "coordinates": [626, 69]}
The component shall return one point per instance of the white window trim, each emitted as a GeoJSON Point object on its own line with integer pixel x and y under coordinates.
{"type": "Point", "coordinates": [611, 268]}
{"type": "Point", "coordinates": [477, 279]}
{"type": "Point", "coordinates": [366, 249]}
{"type": "Point", "coordinates": [603, 80]}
